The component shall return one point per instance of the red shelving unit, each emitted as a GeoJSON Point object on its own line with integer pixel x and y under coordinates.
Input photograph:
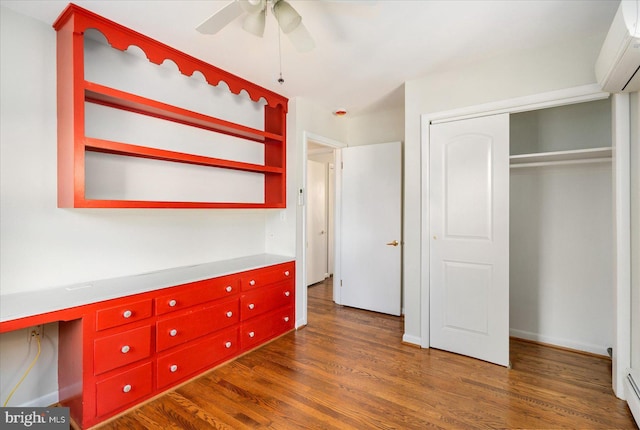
{"type": "Point", "coordinates": [74, 91]}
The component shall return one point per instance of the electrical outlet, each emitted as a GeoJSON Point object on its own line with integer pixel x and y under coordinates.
{"type": "Point", "coordinates": [34, 331]}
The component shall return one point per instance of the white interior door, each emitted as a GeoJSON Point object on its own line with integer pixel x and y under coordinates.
{"type": "Point", "coordinates": [469, 231]}
{"type": "Point", "coordinates": [317, 255]}
{"type": "Point", "coordinates": [371, 227]}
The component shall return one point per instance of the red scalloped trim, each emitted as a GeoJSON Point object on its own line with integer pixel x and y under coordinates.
{"type": "Point", "coordinates": [121, 37]}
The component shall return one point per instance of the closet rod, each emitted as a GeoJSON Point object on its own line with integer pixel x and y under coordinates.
{"type": "Point", "coordinates": [560, 162]}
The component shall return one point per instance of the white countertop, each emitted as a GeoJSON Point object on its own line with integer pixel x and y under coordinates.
{"type": "Point", "coordinates": [35, 302]}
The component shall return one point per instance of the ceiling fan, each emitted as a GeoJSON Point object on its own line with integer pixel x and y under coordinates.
{"type": "Point", "coordinates": [255, 13]}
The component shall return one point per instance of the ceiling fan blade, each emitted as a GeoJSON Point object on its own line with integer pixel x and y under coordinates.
{"type": "Point", "coordinates": [301, 39]}
{"type": "Point", "coordinates": [287, 17]}
{"type": "Point", "coordinates": [221, 18]}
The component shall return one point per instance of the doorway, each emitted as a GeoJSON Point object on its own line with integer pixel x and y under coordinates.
{"type": "Point", "coordinates": [371, 281]}
{"type": "Point", "coordinates": [318, 146]}
{"type": "Point", "coordinates": [320, 223]}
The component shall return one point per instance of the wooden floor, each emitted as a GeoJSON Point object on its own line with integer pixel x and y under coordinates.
{"type": "Point", "coordinates": [348, 370]}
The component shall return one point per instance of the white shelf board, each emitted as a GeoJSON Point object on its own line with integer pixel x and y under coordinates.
{"type": "Point", "coordinates": [595, 154]}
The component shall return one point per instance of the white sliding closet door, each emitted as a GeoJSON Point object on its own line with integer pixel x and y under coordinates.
{"type": "Point", "coordinates": [469, 231]}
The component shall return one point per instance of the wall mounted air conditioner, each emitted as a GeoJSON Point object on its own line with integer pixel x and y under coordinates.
{"type": "Point", "coordinates": [618, 65]}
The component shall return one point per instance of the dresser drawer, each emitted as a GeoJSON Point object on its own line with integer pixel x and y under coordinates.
{"type": "Point", "coordinates": [187, 295]}
{"type": "Point", "coordinates": [266, 299]}
{"type": "Point", "coordinates": [123, 314]}
{"type": "Point", "coordinates": [119, 349]}
{"type": "Point", "coordinates": [179, 365]}
{"type": "Point", "coordinates": [176, 330]}
{"type": "Point", "coordinates": [123, 389]}
{"type": "Point", "coordinates": [265, 327]}
{"type": "Point", "coordinates": [261, 277]}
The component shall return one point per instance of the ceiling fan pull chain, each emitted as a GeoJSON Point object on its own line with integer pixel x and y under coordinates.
{"type": "Point", "coordinates": [280, 79]}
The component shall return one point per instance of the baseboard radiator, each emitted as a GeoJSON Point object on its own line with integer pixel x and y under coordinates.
{"type": "Point", "coordinates": [632, 393]}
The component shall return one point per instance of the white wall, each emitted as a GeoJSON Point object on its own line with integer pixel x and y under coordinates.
{"type": "Point", "coordinates": [43, 246]}
{"type": "Point", "coordinates": [530, 72]}
{"type": "Point", "coordinates": [635, 232]}
{"type": "Point", "coordinates": [285, 228]}
{"type": "Point", "coordinates": [561, 262]}
{"type": "Point", "coordinates": [376, 127]}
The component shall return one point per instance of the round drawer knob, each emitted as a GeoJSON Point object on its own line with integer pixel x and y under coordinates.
{"type": "Point", "coordinates": [229, 314]}
{"type": "Point", "coordinates": [251, 306]}
{"type": "Point", "coordinates": [229, 288]}
{"type": "Point", "coordinates": [251, 334]}
{"type": "Point", "coordinates": [287, 293]}
{"type": "Point", "coordinates": [172, 303]}
{"type": "Point", "coordinates": [127, 314]}
{"type": "Point", "coordinates": [286, 319]}
{"type": "Point", "coordinates": [173, 332]}
{"type": "Point", "coordinates": [227, 345]}
{"type": "Point", "coordinates": [125, 349]}
{"type": "Point", "coordinates": [286, 273]}
{"type": "Point", "coordinates": [252, 282]}
{"type": "Point", "coordinates": [173, 368]}
{"type": "Point", "coordinates": [126, 388]}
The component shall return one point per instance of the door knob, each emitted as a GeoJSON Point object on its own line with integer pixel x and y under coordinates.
{"type": "Point", "coordinates": [394, 243]}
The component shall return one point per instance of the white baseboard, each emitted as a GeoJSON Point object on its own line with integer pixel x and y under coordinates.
{"type": "Point", "coordinates": [42, 401]}
{"type": "Point", "coordinates": [413, 340]}
{"type": "Point", "coordinates": [594, 349]}
{"type": "Point", "coordinates": [302, 322]}
{"type": "Point", "coordinates": [633, 397]}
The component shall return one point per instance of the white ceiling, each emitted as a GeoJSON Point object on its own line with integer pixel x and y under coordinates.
{"type": "Point", "coordinates": [365, 50]}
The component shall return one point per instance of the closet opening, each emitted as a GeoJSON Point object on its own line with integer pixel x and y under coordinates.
{"type": "Point", "coordinates": [561, 240]}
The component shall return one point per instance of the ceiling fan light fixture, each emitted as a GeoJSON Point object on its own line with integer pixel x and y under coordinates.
{"type": "Point", "coordinates": [254, 23]}
{"type": "Point", "coordinates": [253, 6]}
{"type": "Point", "coordinates": [287, 17]}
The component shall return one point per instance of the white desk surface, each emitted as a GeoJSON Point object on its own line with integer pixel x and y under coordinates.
{"type": "Point", "coordinates": [35, 302]}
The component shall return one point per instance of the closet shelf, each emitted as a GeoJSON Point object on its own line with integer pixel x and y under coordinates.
{"type": "Point", "coordinates": [561, 157]}
{"type": "Point", "coordinates": [111, 97]}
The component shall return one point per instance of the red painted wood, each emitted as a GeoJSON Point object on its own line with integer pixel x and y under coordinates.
{"type": "Point", "coordinates": [110, 392]}
{"type": "Point", "coordinates": [73, 90]}
{"type": "Point", "coordinates": [92, 369]}
{"type": "Point", "coordinates": [99, 94]}
{"type": "Point", "coordinates": [262, 277]}
{"type": "Point", "coordinates": [143, 204]}
{"type": "Point", "coordinates": [70, 368]}
{"type": "Point", "coordinates": [70, 105]}
{"type": "Point", "coordinates": [121, 37]}
{"type": "Point", "coordinates": [266, 299]}
{"type": "Point", "coordinates": [120, 349]}
{"type": "Point", "coordinates": [208, 352]}
{"type": "Point", "coordinates": [46, 318]}
{"type": "Point", "coordinates": [193, 324]}
{"type": "Point", "coordinates": [125, 313]}
{"type": "Point", "coordinates": [263, 328]}
{"type": "Point", "coordinates": [117, 148]}
{"type": "Point", "coordinates": [187, 295]}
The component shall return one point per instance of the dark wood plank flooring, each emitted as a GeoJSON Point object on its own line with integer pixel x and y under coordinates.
{"type": "Point", "coordinates": [349, 370]}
